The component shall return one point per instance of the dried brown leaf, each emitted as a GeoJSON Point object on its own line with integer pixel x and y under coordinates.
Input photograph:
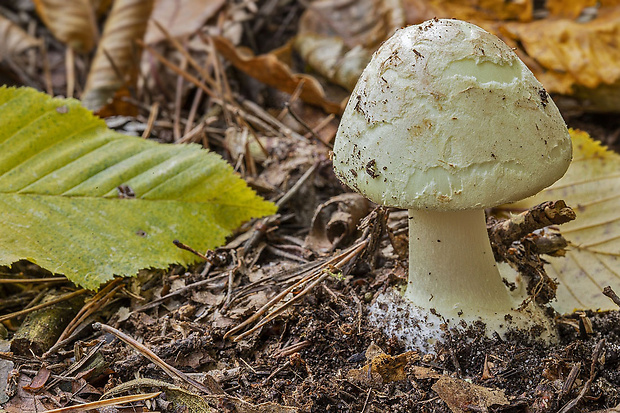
{"type": "Point", "coordinates": [364, 23]}
{"type": "Point", "coordinates": [70, 21]}
{"type": "Point", "coordinates": [462, 397]}
{"type": "Point", "coordinates": [470, 10]}
{"type": "Point", "coordinates": [180, 17]}
{"type": "Point", "coordinates": [568, 9]}
{"type": "Point", "coordinates": [382, 367]}
{"type": "Point", "coordinates": [331, 58]}
{"type": "Point", "coordinates": [13, 39]}
{"type": "Point", "coordinates": [114, 63]}
{"type": "Point", "coordinates": [268, 69]}
{"type": "Point", "coordinates": [336, 220]}
{"type": "Point", "coordinates": [570, 53]}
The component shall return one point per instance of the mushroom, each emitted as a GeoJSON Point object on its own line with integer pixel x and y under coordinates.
{"type": "Point", "coordinates": [445, 121]}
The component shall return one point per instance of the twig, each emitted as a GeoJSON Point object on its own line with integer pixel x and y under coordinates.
{"type": "Point", "coordinates": [32, 280]}
{"type": "Point", "coordinates": [367, 400]}
{"type": "Point", "coordinates": [291, 192]}
{"type": "Point", "coordinates": [306, 126]}
{"type": "Point", "coordinates": [537, 217]}
{"type": "Point", "coordinates": [46, 304]}
{"type": "Point", "coordinates": [77, 365]}
{"type": "Point", "coordinates": [105, 403]}
{"type": "Point", "coordinates": [612, 295]}
{"type": "Point", "coordinates": [276, 371]}
{"type": "Point", "coordinates": [70, 68]}
{"type": "Point", "coordinates": [151, 121]}
{"type": "Point", "coordinates": [313, 279]}
{"type": "Point", "coordinates": [98, 301]}
{"type": "Point", "coordinates": [186, 247]}
{"type": "Point", "coordinates": [180, 291]}
{"type": "Point", "coordinates": [146, 352]}
{"type": "Point", "coordinates": [586, 387]}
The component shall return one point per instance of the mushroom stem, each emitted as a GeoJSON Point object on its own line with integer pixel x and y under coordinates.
{"type": "Point", "coordinates": [452, 268]}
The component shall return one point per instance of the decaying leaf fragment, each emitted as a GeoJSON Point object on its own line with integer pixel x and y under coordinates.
{"type": "Point", "coordinates": [331, 58]}
{"type": "Point", "coordinates": [335, 220]}
{"type": "Point", "coordinates": [591, 187]}
{"type": "Point", "coordinates": [382, 368]}
{"type": "Point", "coordinates": [462, 397]}
{"type": "Point", "coordinates": [364, 23]}
{"type": "Point", "coordinates": [70, 21]}
{"type": "Point", "coordinates": [179, 17]}
{"type": "Point", "coordinates": [270, 70]}
{"type": "Point", "coordinates": [14, 39]}
{"type": "Point", "coordinates": [571, 53]}
{"type": "Point", "coordinates": [64, 180]}
{"type": "Point", "coordinates": [114, 64]}
{"type": "Point", "coordinates": [470, 10]}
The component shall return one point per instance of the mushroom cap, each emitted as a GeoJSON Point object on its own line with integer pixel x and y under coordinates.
{"type": "Point", "coordinates": [446, 116]}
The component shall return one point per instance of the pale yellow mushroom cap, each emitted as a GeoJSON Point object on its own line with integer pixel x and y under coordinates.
{"type": "Point", "coordinates": [447, 117]}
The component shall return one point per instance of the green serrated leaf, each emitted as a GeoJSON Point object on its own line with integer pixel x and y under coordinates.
{"type": "Point", "coordinates": [60, 170]}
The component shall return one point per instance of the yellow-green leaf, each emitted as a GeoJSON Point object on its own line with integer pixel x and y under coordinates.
{"type": "Point", "coordinates": [63, 174]}
{"type": "Point", "coordinates": [591, 187]}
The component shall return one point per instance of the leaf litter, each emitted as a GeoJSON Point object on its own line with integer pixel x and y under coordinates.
{"type": "Point", "coordinates": [305, 358]}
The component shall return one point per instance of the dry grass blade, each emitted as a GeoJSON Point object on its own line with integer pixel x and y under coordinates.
{"type": "Point", "coordinates": [113, 65]}
{"type": "Point", "coordinates": [46, 304]}
{"type": "Point", "coordinates": [106, 403]}
{"type": "Point", "coordinates": [70, 21]}
{"type": "Point", "coordinates": [146, 352]}
{"type": "Point", "coordinates": [14, 39]}
{"type": "Point", "coordinates": [315, 275]}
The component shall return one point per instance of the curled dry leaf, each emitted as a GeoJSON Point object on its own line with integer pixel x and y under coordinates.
{"type": "Point", "coordinates": [270, 70]}
{"type": "Point", "coordinates": [382, 368]}
{"type": "Point", "coordinates": [336, 220]}
{"type": "Point", "coordinates": [180, 17]}
{"type": "Point", "coordinates": [331, 58]}
{"type": "Point", "coordinates": [472, 10]}
{"type": "Point", "coordinates": [570, 9]}
{"type": "Point", "coordinates": [462, 397]}
{"type": "Point", "coordinates": [14, 39]}
{"type": "Point", "coordinates": [364, 23]}
{"type": "Point", "coordinates": [592, 187]}
{"type": "Point", "coordinates": [572, 54]}
{"type": "Point", "coordinates": [336, 39]}
{"type": "Point", "coordinates": [114, 63]}
{"type": "Point", "coordinates": [70, 21]}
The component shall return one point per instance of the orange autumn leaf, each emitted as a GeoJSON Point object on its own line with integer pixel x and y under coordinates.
{"type": "Point", "coordinates": [418, 11]}
{"type": "Point", "coordinates": [571, 53]}
{"type": "Point", "coordinates": [268, 69]}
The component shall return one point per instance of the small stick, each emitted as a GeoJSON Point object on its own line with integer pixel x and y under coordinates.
{"type": "Point", "coordinates": [314, 280]}
{"type": "Point", "coordinates": [612, 295]}
{"type": "Point", "coordinates": [297, 185]}
{"type": "Point", "coordinates": [306, 126]}
{"type": "Point", "coordinates": [586, 387]}
{"type": "Point", "coordinates": [70, 68]}
{"type": "Point", "coordinates": [535, 218]}
{"type": "Point", "coordinates": [47, 304]}
{"type": "Point", "coordinates": [105, 403]}
{"type": "Point", "coordinates": [146, 352]}
{"type": "Point", "coordinates": [186, 247]}
{"type": "Point", "coordinates": [32, 280]}
{"type": "Point", "coordinates": [152, 117]}
{"type": "Point", "coordinates": [97, 302]}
